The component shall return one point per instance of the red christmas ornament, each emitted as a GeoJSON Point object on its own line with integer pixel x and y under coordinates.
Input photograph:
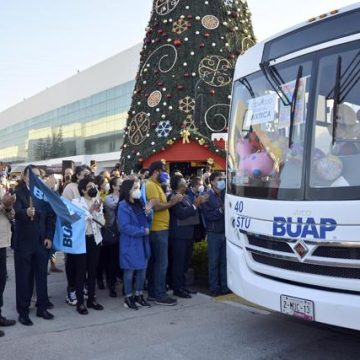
{"type": "Point", "coordinates": [156, 71]}
{"type": "Point", "coordinates": [160, 83]}
{"type": "Point", "coordinates": [141, 160]}
{"type": "Point", "coordinates": [206, 34]}
{"type": "Point", "coordinates": [160, 31]}
{"type": "Point", "coordinates": [212, 92]}
{"type": "Point", "coordinates": [153, 124]}
{"type": "Point", "coordinates": [189, 16]}
{"type": "Point", "coordinates": [186, 75]}
{"type": "Point", "coordinates": [168, 96]}
{"type": "Point", "coordinates": [180, 87]}
{"type": "Point", "coordinates": [189, 26]}
{"type": "Point", "coordinates": [202, 45]}
{"type": "Point", "coordinates": [177, 42]}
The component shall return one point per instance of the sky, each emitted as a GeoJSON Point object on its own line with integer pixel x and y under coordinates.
{"type": "Point", "coordinates": [43, 42]}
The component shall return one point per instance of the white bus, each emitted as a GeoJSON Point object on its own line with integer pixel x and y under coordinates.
{"type": "Point", "coordinates": [293, 196]}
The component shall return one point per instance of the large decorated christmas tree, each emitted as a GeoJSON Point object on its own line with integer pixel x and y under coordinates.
{"type": "Point", "coordinates": [183, 85]}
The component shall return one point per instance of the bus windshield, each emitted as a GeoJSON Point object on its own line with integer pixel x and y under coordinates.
{"type": "Point", "coordinates": [272, 129]}
{"type": "Point", "coordinates": [267, 131]}
{"type": "Point", "coordinates": [335, 157]}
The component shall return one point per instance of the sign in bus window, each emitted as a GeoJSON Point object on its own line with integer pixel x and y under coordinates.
{"type": "Point", "coordinates": [285, 111]}
{"type": "Point", "coordinates": [261, 152]}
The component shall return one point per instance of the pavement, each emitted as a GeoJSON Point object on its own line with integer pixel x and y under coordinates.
{"type": "Point", "coordinates": [199, 328]}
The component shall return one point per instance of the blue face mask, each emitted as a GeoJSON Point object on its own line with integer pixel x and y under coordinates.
{"type": "Point", "coordinates": [221, 184]}
{"type": "Point", "coordinates": [164, 178]}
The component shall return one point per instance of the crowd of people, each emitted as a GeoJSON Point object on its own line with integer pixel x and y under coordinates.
{"type": "Point", "coordinates": [139, 228]}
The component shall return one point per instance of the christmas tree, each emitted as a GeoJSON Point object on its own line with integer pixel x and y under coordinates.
{"type": "Point", "coordinates": [183, 86]}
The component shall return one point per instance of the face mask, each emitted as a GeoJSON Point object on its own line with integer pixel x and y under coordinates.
{"type": "Point", "coordinates": [136, 195]}
{"type": "Point", "coordinates": [221, 184]}
{"type": "Point", "coordinates": [107, 187]}
{"type": "Point", "coordinates": [164, 178]}
{"type": "Point", "coordinates": [92, 192]}
{"type": "Point", "coordinates": [201, 188]}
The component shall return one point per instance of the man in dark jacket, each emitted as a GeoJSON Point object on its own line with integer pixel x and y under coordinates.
{"type": "Point", "coordinates": [34, 231]}
{"type": "Point", "coordinates": [184, 216]}
{"type": "Point", "coordinates": [213, 213]}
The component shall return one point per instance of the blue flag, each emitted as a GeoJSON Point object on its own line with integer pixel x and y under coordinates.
{"type": "Point", "coordinates": [43, 194]}
{"type": "Point", "coordinates": [70, 238]}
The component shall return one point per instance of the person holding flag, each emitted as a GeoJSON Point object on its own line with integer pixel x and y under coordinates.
{"type": "Point", "coordinates": [35, 224]}
{"type": "Point", "coordinates": [87, 263]}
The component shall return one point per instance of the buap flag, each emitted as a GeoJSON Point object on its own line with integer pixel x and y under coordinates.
{"type": "Point", "coordinates": [70, 238]}
{"type": "Point", "coordinates": [45, 195]}
{"type": "Point", "coordinates": [70, 220]}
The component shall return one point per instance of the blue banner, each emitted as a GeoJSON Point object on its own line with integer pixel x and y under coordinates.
{"type": "Point", "coordinates": [70, 238]}
{"type": "Point", "coordinates": [43, 194]}
{"type": "Point", "coordinates": [70, 220]}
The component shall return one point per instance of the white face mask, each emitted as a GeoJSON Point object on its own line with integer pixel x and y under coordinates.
{"type": "Point", "coordinates": [107, 187]}
{"type": "Point", "coordinates": [201, 188]}
{"type": "Point", "coordinates": [136, 195]}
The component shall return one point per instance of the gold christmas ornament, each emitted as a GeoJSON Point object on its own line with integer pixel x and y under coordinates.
{"type": "Point", "coordinates": [164, 7]}
{"type": "Point", "coordinates": [180, 26]}
{"type": "Point", "coordinates": [189, 123]}
{"type": "Point", "coordinates": [185, 134]}
{"type": "Point", "coordinates": [170, 142]}
{"type": "Point", "coordinates": [210, 161]}
{"type": "Point", "coordinates": [154, 98]}
{"type": "Point", "coordinates": [215, 70]}
{"type": "Point", "coordinates": [210, 22]}
{"type": "Point", "coordinates": [187, 105]}
{"type": "Point", "coordinates": [201, 142]}
{"type": "Point", "coordinates": [246, 43]}
{"type": "Point", "coordinates": [139, 127]}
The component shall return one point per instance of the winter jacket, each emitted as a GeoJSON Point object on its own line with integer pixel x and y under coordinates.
{"type": "Point", "coordinates": [213, 212]}
{"type": "Point", "coordinates": [182, 211]}
{"type": "Point", "coordinates": [134, 243]}
{"type": "Point", "coordinates": [31, 233]}
{"type": "Point", "coordinates": [98, 216]}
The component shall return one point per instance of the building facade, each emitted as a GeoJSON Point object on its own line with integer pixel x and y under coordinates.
{"type": "Point", "coordinates": [83, 115]}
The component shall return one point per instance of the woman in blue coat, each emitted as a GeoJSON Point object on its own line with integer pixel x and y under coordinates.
{"type": "Point", "coordinates": [134, 242]}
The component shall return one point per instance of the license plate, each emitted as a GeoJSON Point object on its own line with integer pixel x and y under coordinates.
{"type": "Point", "coordinates": [300, 308]}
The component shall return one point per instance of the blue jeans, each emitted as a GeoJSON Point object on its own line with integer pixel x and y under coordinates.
{"type": "Point", "coordinates": [181, 255]}
{"type": "Point", "coordinates": [158, 264]}
{"type": "Point", "coordinates": [129, 281]}
{"type": "Point", "coordinates": [217, 261]}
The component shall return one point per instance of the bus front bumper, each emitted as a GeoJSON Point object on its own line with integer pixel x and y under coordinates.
{"type": "Point", "coordinates": [333, 308]}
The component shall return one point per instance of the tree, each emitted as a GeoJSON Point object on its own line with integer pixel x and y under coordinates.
{"type": "Point", "coordinates": [57, 145]}
{"type": "Point", "coordinates": [39, 150]}
{"type": "Point", "coordinates": [53, 147]}
{"type": "Point", "coordinates": [47, 148]}
{"type": "Point", "coordinates": [183, 86]}
{"type": "Point", "coordinates": [60, 143]}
